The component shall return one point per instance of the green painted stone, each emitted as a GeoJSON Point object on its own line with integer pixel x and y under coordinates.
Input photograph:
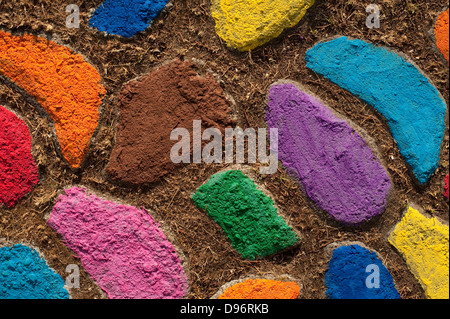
{"type": "Point", "coordinates": [246, 214]}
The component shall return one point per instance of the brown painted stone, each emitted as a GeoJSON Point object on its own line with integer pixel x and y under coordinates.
{"type": "Point", "coordinates": [170, 97]}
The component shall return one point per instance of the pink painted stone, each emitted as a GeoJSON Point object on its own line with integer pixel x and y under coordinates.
{"type": "Point", "coordinates": [121, 247]}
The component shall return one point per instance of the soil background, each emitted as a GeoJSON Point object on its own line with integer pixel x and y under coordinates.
{"type": "Point", "coordinates": [186, 31]}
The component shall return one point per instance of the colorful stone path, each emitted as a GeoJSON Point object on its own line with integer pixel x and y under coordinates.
{"type": "Point", "coordinates": [123, 248]}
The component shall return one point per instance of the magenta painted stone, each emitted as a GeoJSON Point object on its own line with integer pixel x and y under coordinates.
{"type": "Point", "coordinates": [121, 247]}
{"type": "Point", "coordinates": [333, 163]}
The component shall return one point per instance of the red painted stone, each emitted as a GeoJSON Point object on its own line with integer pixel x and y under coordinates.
{"type": "Point", "coordinates": [18, 171]}
{"type": "Point", "coordinates": [446, 187]}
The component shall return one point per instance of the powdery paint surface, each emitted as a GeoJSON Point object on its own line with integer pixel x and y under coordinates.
{"type": "Point", "coordinates": [245, 25]}
{"type": "Point", "coordinates": [424, 244]}
{"type": "Point", "coordinates": [346, 276]}
{"type": "Point", "coordinates": [126, 17]}
{"type": "Point", "coordinates": [337, 169]}
{"type": "Point", "coordinates": [65, 85]}
{"type": "Point", "coordinates": [18, 171]}
{"type": "Point", "coordinates": [25, 275]}
{"type": "Point", "coordinates": [398, 90]}
{"type": "Point", "coordinates": [441, 33]}
{"type": "Point", "coordinates": [121, 247]}
{"type": "Point", "coordinates": [248, 216]}
{"type": "Point", "coordinates": [262, 289]}
{"type": "Point", "coordinates": [170, 97]}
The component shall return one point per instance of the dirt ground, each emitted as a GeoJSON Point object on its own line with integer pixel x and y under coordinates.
{"type": "Point", "coordinates": [186, 31]}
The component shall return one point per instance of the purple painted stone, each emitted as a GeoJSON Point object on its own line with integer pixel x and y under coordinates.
{"type": "Point", "coordinates": [333, 163]}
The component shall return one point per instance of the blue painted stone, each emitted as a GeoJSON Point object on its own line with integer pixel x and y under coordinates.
{"type": "Point", "coordinates": [411, 105]}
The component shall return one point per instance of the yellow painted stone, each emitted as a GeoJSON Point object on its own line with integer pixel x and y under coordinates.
{"type": "Point", "coordinates": [423, 242]}
{"type": "Point", "coordinates": [247, 24]}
